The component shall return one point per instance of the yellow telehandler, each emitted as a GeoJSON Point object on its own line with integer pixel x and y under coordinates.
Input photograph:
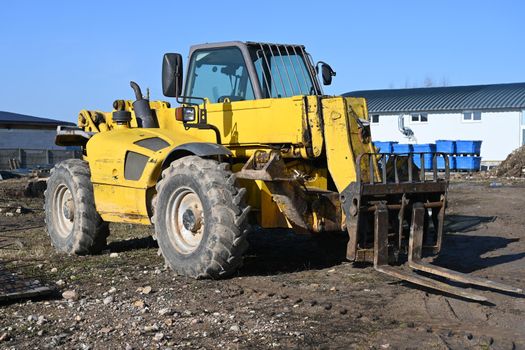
{"type": "Point", "coordinates": [253, 141]}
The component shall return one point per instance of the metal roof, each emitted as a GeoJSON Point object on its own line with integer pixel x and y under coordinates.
{"type": "Point", "coordinates": [444, 99]}
{"type": "Point", "coordinates": [15, 119]}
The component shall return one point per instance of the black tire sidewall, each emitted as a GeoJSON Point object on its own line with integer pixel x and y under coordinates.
{"type": "Point", "coordinates": [61, 176]}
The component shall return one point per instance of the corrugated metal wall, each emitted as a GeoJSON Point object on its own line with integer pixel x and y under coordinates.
{"type": "Point", "coordinates": [32, 148]}
{"type": "Point", "coordinates": [31, 158]}
{"type": "Point", "coordinates": [28, 138]}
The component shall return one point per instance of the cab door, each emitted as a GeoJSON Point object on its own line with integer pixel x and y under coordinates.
{"type": "Point", "coordinates": [221, 75]}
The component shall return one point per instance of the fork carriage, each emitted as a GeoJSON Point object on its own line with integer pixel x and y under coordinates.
{"type": "Point", "coordinates": [398, 214]}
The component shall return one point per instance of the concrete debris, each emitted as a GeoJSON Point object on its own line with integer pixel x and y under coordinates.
{"type": "Point", "coordinates": [70, 295]}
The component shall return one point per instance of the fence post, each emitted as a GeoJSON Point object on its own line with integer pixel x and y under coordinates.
{"type": "Point", "coordinates": [20, 156]}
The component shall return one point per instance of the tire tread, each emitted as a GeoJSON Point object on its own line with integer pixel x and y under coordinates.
{"type": "Point", "coordinates": [227, 242]}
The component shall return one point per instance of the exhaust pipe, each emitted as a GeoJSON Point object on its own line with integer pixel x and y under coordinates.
{"type": "Point", "coordinates": [143, 112]}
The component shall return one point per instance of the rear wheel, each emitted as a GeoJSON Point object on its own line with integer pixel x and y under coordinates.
{"type": "Point", "coordinates": [200, 218]}
{"type": "Point", "coordinates": [72, 221]}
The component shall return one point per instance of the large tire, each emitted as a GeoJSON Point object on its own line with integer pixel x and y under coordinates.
{"type": "Point", "coordinates": [200, 218]}
{"type": "Point", "coordinates": [72, 221]}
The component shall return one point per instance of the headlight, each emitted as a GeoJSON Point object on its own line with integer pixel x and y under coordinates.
{"type": "Point", "coordinates": [185, 114]}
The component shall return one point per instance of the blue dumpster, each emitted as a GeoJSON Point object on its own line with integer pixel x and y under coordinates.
{"type": "Point", "coordinates": [427, 158]}
{"type": "Point", "coordinates": [384, 146]}
{"type": "Point", "coordinates": [402, 148]}
{"type": "Point", "coordinates": [451, 163]}
{"type": "Point", "coordinates": [468, 147]}
{"type": "Point", "coordinates": [424, 148]}
{"type": "Point", "coordinates": [446, 146]}
{"type": "Point", "coordinates": [468, 163]}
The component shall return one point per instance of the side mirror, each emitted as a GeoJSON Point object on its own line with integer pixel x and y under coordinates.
{"type": "Point", "coordinates": [326, 71]}
{"type": "Point", "coordinates": [172, 75]}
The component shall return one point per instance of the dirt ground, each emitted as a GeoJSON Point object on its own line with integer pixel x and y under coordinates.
{"type": "Point", "coordinates": [292, 292]}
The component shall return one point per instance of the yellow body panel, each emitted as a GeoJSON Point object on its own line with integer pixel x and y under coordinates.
{"type": "Point", "coordinates": [121, 204]}
{"type": "Point", "coordinates": [341, 134]}
{"type": "Point", "coordinates": [245, 127]}
{"type": "Point", "coordinates": [247, 122]}
{"type": "Point", "coordinates": [315, 125]}
{"type": "Point", "coordinates": [117, 198]}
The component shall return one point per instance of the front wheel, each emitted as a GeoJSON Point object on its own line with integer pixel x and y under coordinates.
{"type": "Point", "coordinates": [200, 218]}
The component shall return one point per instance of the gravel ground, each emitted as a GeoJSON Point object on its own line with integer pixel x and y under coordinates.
{"type": "Point", "coordinates": [292, 292]}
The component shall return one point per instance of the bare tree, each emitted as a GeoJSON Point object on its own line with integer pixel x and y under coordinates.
{"type": "Point", "coordinates": [428, 82]}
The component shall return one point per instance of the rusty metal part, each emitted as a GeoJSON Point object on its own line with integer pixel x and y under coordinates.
{"type": "Point", "coordinates": [291, 200]}
{"type": "Point", "coordinates": [13, 285]}
{"type": "Point", "coordinates": [326, 209]}
{"type": "Point", "coordinates": [266, 166]}
{"type": "Point", "coordinates": [397, 204]}
{"type": "Point", "coordinates": [307, 209]}
{"type": "Point", "coordinates": [381, 251]}
{"type": "Point", "coordinates": [415, 262]}
{"type": "Point", "coordinates": [397, 184]}
{"type": "Point", "coordinates": [69, 135]}
{"type": "Point", "coordinates": [286, 191]}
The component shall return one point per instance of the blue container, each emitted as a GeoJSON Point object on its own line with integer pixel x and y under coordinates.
{"type": "Point", "coordinates": [402, 148]}
{"type": "Point", "coordinates": [468, 147]}
{"type": "Point", "coordinates": [424, 147]}
{"type": "Point", "coordinates": [446, 146]}
{"type": "Point", "coordinates": [468, 163]}
{"type": "Point", "coordinates": [441, 163]}
{"type": "Point", "coordinates": [384, 146]}
{"type": "Point", "coordinates": [427, 158]}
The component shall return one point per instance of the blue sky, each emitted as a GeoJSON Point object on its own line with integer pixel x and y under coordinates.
{"type": "Point", "coordinates": [58, 57]}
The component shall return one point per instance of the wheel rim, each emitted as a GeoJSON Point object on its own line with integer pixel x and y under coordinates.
{"type": "Point", "coordinates": [185, 220]}
{"type": "Point", "coordinates": [63, 210]}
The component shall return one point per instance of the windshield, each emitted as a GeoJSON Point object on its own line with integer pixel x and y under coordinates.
{"type": "Point", "coordinates": [283, 70]}
{"type": "Point", "coordinates": [219, 74]}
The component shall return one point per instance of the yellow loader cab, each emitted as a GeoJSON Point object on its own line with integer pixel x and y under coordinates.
{"type": "Point", "coordinates": [253, 141]}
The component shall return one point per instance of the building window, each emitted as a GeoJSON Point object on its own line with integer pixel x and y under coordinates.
{"type": "Point", "coordinates": [375, 118]}
{"type": "Point", "coordinates": [472, 116]}
{"type": "Point", "coordinates": [419, 118]}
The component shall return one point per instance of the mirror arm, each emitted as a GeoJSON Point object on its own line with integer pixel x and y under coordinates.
{"type": "Point", "coordinates": [202, 122]}
{"type": "Point", "coordinates": [183, 100]}
{"type": "Point", "coordinates": [332, 72]}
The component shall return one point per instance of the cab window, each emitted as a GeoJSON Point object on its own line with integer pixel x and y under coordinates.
{"type": "Point", "coordinates": [218, 74]}
{"type": "Point", "coordinates": [282, 71]}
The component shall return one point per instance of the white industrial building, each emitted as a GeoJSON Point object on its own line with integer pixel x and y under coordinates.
{"type": "Point", "coordinates": [494, 114]}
